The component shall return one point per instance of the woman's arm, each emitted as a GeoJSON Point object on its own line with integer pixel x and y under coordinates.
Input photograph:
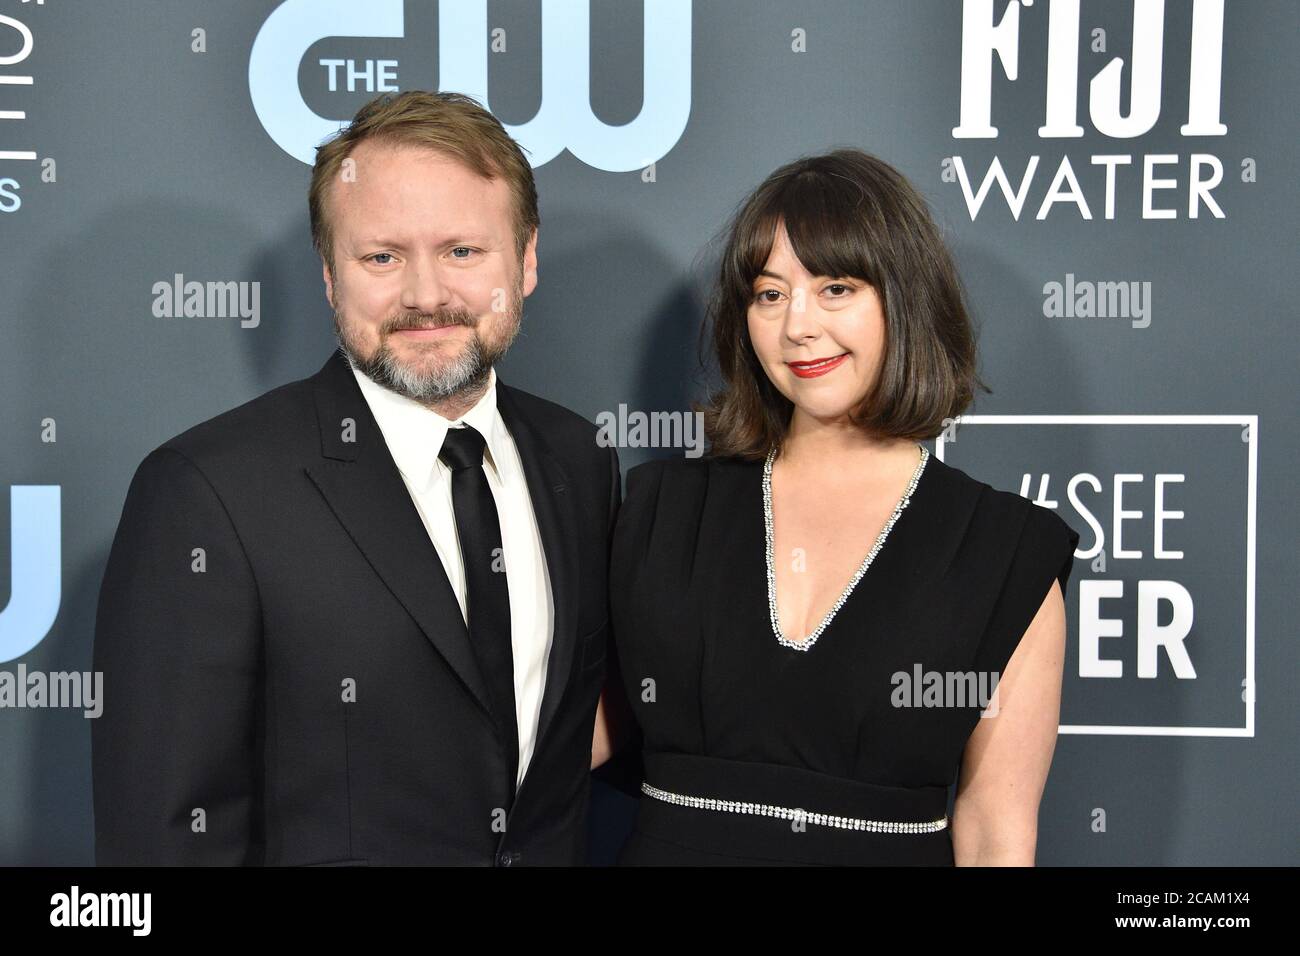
{"type": "Point", "coordinates": [614, 718]}
{"type": "Point", "coordinates": [601, 746]}
{"type": "Point", "coordinates": [1005, 764]}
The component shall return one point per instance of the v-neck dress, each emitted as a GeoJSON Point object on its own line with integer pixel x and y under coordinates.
{"type": "Point", "coordinates": [757, 752]}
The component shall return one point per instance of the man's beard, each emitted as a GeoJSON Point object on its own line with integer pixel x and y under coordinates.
{"type": "Point", "coordinates": [466, 374]}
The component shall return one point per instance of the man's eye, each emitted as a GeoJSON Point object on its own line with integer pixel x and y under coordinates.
{"type": "Point", "coordinates": [459, 249]}
{"type": "Point", "coordinates": [380, 255]}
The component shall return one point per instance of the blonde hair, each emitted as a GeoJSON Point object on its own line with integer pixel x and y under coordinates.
{"type": "Point", "coordinates": [451, 123]}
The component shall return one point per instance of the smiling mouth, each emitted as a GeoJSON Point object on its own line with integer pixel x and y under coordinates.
{"type": "Point", "coordinates": [815, 367]}
{"type": "Point", "coordinates": [430, 330]}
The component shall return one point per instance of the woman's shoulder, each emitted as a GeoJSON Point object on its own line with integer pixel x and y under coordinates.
{"type": "Point", "coordinates": [1001, 508]}
{"type": "Point", "coordinates": [663, 511]}
{"type": "Point", "coordinates": [684, 476]}
{"type": "Point", "coordinates": [1008, 528]}
{"type": "Point", "coordinates": [666, 498]}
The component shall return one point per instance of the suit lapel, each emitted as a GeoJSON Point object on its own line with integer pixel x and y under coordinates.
{"type": "Point", "coordinates": [555, 506]}
{"type": "Point", "coordinates": [363, 487]}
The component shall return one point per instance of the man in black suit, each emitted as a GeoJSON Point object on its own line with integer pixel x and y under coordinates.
{"type": "Point", "coordinates": [362, 618]}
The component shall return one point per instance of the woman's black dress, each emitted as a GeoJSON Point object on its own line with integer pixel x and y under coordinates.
{"type": "Point", "coordinates": [730, 714]}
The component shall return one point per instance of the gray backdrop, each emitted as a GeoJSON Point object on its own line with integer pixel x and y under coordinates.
{"type": "Point", "coordinates": [141, 140]}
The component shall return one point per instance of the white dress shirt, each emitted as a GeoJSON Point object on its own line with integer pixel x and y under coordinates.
{"type": "Point", "coordinates": [414, 435]}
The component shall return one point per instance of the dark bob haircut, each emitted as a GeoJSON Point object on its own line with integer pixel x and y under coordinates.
{"type": "Point", "coordinates": [848, 214]}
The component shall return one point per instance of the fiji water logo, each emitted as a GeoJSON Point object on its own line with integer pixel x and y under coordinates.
{"type": "Point", "coordinates": [35, 568]}
{"type": "Point", "coordinates": [1069, 39]}
{"type": "Point", "coordinates": [564, 119]}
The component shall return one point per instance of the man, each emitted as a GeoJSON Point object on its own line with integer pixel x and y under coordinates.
{"type": "Point", "coordinates": [362, 618]}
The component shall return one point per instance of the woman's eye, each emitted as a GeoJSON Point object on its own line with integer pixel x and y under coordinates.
{"type": "Point", "coordinates": [840, 285]}
{"type": "Point", "coordinates": [768, 296]}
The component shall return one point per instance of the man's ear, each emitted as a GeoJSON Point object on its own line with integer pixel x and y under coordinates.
{"type": "Point", "coordinates": [329, 282]}
{"type": "Point", "coordinates": [530, 264]}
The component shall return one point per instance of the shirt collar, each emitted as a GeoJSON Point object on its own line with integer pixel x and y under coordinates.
{"type": "Point", "coordinates": [414, 434]}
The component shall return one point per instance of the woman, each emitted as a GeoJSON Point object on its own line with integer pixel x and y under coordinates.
{"type": "Point", "coordinates": [782, 709]}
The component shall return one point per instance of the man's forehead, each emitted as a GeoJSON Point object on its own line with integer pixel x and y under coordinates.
{"type": "Point", "coordinates": [398, 208]}
{"type": "Point", "coordinates": [395, 235]}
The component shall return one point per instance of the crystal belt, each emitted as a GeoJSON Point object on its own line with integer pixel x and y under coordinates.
{"type": "Point", "coordinates": [792, 813]}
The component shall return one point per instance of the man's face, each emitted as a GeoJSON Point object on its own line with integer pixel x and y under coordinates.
{"type": "Point", "coordinates": [427, 287]}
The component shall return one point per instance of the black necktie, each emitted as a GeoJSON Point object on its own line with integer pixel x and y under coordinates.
{"type": "Point", "coordinates": [487, 596]}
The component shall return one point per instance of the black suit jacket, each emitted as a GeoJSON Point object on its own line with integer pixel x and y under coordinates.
{"type": "Point", "coordinates": [302, 690]}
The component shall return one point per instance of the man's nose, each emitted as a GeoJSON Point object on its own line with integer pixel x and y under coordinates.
{"type": "Point", "coordinates": [424, 288]}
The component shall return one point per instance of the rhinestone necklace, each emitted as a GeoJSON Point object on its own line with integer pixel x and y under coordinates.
{"type": "Point", "coordinates": [811, 639]}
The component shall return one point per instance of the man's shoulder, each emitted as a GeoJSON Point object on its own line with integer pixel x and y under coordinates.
{"type": "Point", "coordinates": [550, 418]}
{"type": "Point", "coordinates": [279, 421]}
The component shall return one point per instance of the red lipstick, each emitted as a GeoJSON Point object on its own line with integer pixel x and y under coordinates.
{"type": "Point", "coordinates": [816, 367]}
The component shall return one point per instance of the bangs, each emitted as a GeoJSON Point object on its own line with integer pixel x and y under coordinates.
{"type": "Point", "coordinates": [828, 221]}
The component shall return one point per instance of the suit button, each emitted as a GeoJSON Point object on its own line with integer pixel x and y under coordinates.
{"type": "Point", "coordinates": [505, 858]}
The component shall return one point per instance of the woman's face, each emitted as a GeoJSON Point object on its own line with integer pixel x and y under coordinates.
{"type": "Point", "coordinates": [821, 339]}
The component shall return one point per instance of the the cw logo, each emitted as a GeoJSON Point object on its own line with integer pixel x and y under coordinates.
{"type": "Point", "coordinates": [34, 535]}
{"type": "Point", "coordinates": [564, 118]}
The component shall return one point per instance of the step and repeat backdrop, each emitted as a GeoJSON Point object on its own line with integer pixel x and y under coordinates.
{"type": "Point", "coordinates": [1116, 179]}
